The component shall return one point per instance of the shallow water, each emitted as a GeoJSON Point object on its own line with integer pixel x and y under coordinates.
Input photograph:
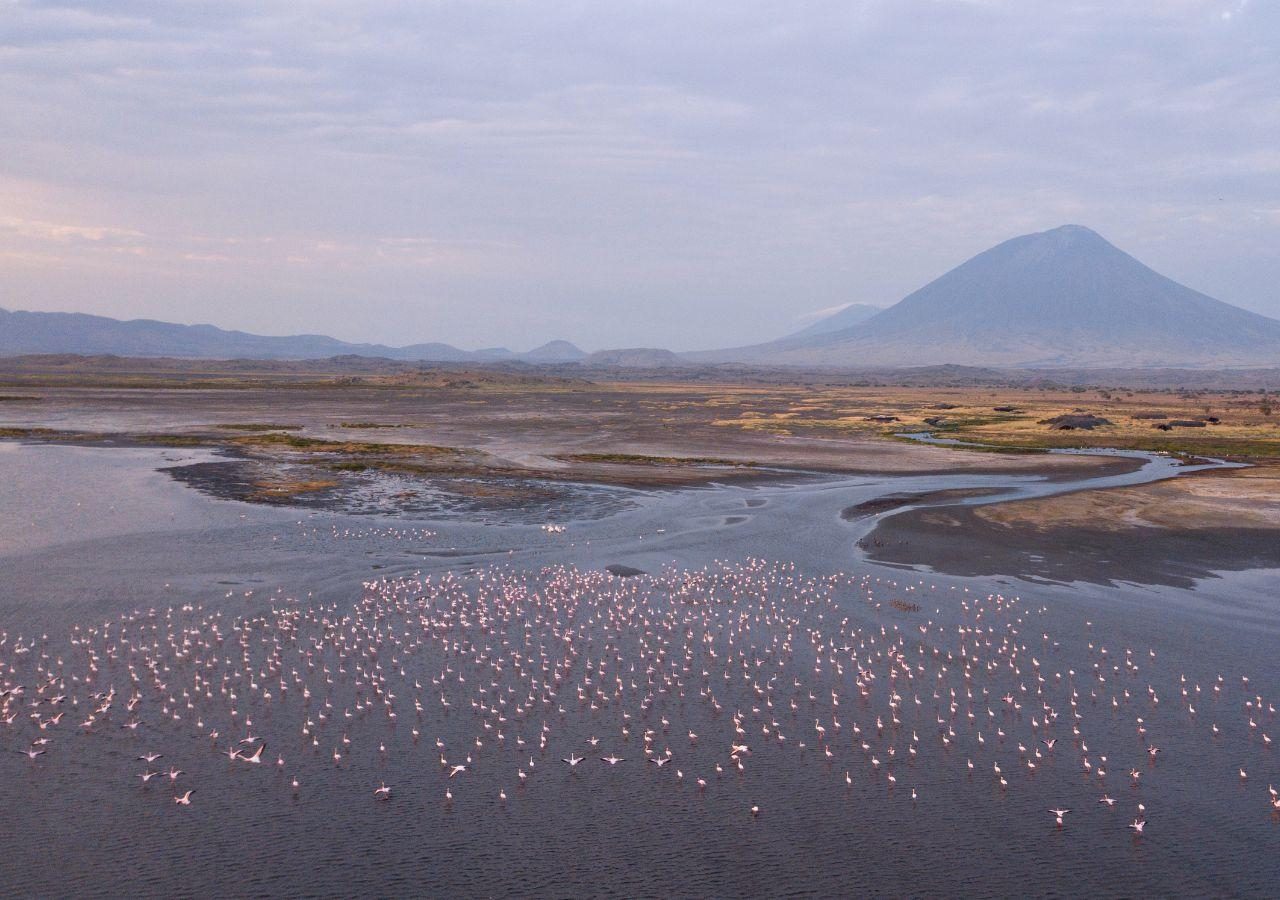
{"type": "Point", "coordinates": [91, 534]}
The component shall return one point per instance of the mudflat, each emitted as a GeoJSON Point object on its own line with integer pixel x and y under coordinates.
{"type": "Point", "coordinates": [636, 434]}
{"type": "Point", "coordinates": [1166, 532]}
{"type": "Point", "coordinates": [302, 433]}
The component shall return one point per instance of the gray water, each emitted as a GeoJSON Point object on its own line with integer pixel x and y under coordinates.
{"type": "Point", "coordinates": [90, 535]}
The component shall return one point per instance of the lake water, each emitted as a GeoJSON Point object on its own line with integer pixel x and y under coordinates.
{"type": "Point", "coordinates": [761, 588]}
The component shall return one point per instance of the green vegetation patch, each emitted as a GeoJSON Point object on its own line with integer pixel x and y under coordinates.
{"type": "Point", "coordinates": [352, 448]}
{"type": "Point", "coordinates": [1010, 449]}
{"type": "Point", "coordinates": [290, 487]}
{"type": "Point", "coordinates": [164, 440]}
{"type": "Point", "coordinates": [26, 432]}
{"type": "Point", "coordinates": [1242, 448]}
{"type": "Point", "coordinates": [959, 423]}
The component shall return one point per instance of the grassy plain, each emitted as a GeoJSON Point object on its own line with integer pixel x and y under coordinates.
{"type": "Point", "coordinates": [1236, 424]}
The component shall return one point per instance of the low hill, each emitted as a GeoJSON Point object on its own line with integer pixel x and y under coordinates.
{"type": "Point", "coordinates": [27, 333]}
{"type": "Point", "coordinates": [636, 357]}
{"type": "Point", "coordinates": [554, 352]}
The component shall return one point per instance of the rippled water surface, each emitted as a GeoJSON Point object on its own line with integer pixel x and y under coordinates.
{"type": "Point", "coordinates": [756, 613]}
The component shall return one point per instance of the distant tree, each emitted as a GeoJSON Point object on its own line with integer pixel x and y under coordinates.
{"type": "Point", "coordinates": [1264, 405]}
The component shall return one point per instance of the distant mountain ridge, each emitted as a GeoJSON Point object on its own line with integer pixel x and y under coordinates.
{"type": "Point", "coordinates": [1059, 298]}
{"type": "Point", "coordinates": [24, 333]}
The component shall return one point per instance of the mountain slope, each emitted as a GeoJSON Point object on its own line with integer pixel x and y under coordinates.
{"type": "Point", "coordinates": [1064, 297]}
{"type": "Point", "coordinates": [853, 314]}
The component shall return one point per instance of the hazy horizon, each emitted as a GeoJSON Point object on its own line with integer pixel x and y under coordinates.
{"type": "Point", "coordinates": [641, 175]}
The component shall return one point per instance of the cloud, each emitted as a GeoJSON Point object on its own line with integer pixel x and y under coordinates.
{"type": "Point", "coordinates": [63, 232]}
{"type": "Point", "coordinates": [512, 172]}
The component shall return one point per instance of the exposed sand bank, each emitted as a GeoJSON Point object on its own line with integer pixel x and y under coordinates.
{"type": "Point", "coordinates": [1167, 532]}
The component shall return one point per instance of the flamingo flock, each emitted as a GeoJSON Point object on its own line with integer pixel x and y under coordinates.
{"type": "Point", "coordinates": [699, 679]}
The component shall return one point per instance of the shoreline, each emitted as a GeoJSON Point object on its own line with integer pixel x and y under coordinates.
{"type": "Point", "coordinates": [531, 447]}
{"type": "Point", "coordinates": [1172, 532]}
{"type": "Point", "coordinates": [669, 467]}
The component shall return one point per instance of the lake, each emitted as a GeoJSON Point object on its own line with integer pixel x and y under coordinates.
{"type": "Point", "coordinates": [756, 622]}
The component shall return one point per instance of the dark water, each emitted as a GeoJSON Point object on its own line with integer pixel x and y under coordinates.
{"type": "Point", "coordinates": [763, 584]}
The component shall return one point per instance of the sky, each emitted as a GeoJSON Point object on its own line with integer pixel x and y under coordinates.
{"type": "Point", "coordinates": [619, 174]}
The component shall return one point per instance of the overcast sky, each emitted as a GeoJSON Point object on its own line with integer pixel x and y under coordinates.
{"type": "Point", "coordinates": [686, 174]}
